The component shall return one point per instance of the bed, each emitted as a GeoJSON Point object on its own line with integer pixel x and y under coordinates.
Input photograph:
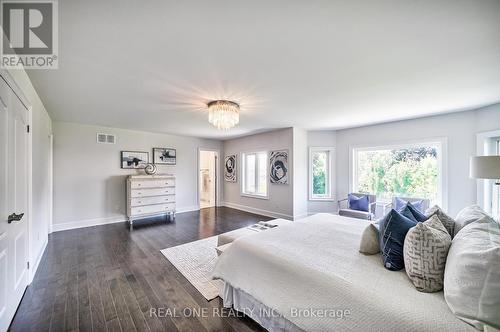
{"type": "Point", "coordinates": [309, 276]}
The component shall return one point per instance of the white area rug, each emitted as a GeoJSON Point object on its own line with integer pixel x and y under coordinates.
{"type": "Point", "coordinates": [196, 261]}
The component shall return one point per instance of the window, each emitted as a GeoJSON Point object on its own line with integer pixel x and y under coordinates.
{"type": "Point", "coordinates": [254, 171]}
{"type": "Point", "coordinates": [320, 173]}
{"type": "Point", "coordinates": [412, 170]}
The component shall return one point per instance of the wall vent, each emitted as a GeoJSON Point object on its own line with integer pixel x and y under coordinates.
{"type": "Point", "coordinates": [106, 138]}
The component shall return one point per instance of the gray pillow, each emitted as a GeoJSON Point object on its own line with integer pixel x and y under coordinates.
{"type": "Point", "coordinates": [445, 219]}
{"type": "Point", "coordinates": [472, 275]}
{"type": "Point", "coordinates": [369, 244]}
{"type": "Point", "coordinates": [469, 215]}
{"type": "Point", "coordinates": [425, 249]}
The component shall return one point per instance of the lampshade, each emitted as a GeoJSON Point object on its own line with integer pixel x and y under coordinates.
{"type": "Point", "coordinates": [485, 167]}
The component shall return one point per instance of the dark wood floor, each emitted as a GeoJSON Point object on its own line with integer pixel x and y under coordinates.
{"type": "Point", "coordinates": [107, 278]}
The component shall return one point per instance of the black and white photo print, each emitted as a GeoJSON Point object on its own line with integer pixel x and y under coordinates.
{"type": "Point", "coordinates": [278, 167]}
{"type": "Point", "coordinates": [230, 168]}
{"type": "Point", "coordinates": [164, 156]}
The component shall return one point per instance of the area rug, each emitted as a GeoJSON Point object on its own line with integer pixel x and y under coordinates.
{"type": "Point", "coordinates": [196, 261]}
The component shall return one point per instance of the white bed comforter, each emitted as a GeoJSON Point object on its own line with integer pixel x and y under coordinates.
{"type": "Point", "coordinates": [314, 265]}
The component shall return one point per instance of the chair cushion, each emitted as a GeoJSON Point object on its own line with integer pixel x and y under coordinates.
{"type": "Point", "coordinates": [472, 274]}
{"type": "Point", "coordinates": [361, 203]}
{"type": "Point", "coordinates": [400, 203]}
{"type": "Point", "coordinates": [392, 231]}
{"type": "Point", "coordinates": [369, 244]}
{"type": "Point", "coordinates": [445, 219]}
{"type": "Point", "coordinates": [355, 214]}
{"type": "Point", "coordinates": [425, 249]}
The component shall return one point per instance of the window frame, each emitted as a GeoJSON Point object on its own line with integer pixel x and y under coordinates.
{"type": "Point", "coordinates": [441, 144]}
{"type": "Point", "coordinates": [330, 173]}
{"type": "Point", "coordinates": [257, 173]}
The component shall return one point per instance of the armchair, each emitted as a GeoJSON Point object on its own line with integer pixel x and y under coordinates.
{"type": "Point", "coordinates": [348, 212]}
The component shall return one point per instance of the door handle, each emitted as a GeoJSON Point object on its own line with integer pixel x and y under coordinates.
{"type": "Point", "coordinates": [15, 217]}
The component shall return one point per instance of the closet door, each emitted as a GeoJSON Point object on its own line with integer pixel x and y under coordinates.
{"type": "Point", "coordinates": [13, 203]}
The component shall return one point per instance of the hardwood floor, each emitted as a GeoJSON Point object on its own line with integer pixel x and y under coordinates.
{"type": "Point", "coordinates": [107, 278]}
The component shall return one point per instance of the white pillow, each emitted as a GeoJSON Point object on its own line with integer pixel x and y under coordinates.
{"type": "Point", "coordinates": [472, 274]}
{"type": "Point", "coordinates": [470, 214]}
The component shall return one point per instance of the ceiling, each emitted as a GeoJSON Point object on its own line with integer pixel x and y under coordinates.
{"type": "Point", "coordinates": [153, 65]}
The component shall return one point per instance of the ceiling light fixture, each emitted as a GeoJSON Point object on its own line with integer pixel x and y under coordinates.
{"type": "Point", "coordinates": [223, 114]}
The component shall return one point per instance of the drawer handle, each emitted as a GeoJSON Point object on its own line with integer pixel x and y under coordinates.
{"type": "Point", "coordinates": [139, 202]}
{"type": "Point", "coordinates": [138, 184]}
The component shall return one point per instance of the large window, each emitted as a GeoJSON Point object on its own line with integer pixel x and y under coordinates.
{"type": "Point", "coordinates": [412, 170]}
{"type": "Point", "coordinates": [254, 174]}
{"type": "Point", "coordinates": [320, 173]}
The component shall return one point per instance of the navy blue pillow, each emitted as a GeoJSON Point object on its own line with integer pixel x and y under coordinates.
{"type": "Point", "coordinates": [419, 216]}
{"type": "Point", "coordinates": [392, 232]}
{"type": "Point", "coordinates": [400, 204]}
{"type": "Point", "coordinates": [407, 212]}
{"type": "Point", "coordinates": [359, 203]}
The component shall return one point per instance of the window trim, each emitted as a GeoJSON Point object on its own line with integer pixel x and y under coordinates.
{"type": "Point", "coordinates": [242, 163]}
{"type": "Point", "coordinates": [442, 145]}
{"type": "Point", "coordinates": [330, 173]}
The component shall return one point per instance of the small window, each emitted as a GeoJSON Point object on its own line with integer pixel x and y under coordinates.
{"type": "Point", "coordinates": [320, 173]}
{"type": "Point", "coordinates": [254, 174]}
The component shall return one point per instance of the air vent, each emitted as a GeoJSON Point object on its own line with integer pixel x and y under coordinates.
{"type": "Point", "coordinates": [106, 138]}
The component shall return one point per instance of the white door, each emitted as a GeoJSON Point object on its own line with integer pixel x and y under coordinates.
{"type": "Point", "coordinates": [13, 203]}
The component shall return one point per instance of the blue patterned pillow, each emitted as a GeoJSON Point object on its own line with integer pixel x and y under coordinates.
{"type": "Point", "coordinates": [359, 203]}
{"type": "Point", "coordinates": [392, 232]}
{"type": "Point", "coordinates": [400, 204]}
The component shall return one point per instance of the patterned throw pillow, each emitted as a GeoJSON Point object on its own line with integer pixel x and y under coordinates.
{"type": "Point", "coordinates": [445, 219]}
{"type": "Point", "coordinates": [425, 250]}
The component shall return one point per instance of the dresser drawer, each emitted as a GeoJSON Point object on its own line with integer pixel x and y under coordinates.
{"type": "Point", "coordinates": [139, 201]}
{"type": "Point", "coordinates": [153, 209]}
{"type": "Point", "coordinates": [145, 192]}
{"type": "Point", "coordinates": [152, 183]}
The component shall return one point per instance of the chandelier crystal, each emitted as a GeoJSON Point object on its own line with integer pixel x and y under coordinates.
{"type": "Point", "coordinates": [223, 114]}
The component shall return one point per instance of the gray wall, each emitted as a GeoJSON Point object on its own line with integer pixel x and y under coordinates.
{"type": "Point", "coordinates": [280, 202]}
{"type": "Point", "coordinates": [89, 185]}
{"type": "Point", "coordinates": [460, 129]}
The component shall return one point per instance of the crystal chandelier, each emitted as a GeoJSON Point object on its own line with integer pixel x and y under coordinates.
{"type": "Point", "coordinates": [223, 114]}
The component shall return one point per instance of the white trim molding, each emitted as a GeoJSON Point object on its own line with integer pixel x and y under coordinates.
{"type": "Point", "coordinates": [266, 213]}
{"type": "Point", "coordinates": [104, 221]}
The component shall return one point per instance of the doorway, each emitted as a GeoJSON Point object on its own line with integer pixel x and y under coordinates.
{"type": "Point", "coordinates": [207, 178]}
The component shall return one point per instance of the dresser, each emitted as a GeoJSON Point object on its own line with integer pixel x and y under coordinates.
{"type": "Point", "coordinates": [149, 196]}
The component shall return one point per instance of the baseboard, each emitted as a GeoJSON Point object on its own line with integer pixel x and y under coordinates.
{"type": "Point", "coordinates": [36, 263]}
{"type": "Point", "coordinates": [104, 221]}
{"type": "Point", "coordinates": [250, 209]}
{"type": "Point", "coordinates": [86, 223]}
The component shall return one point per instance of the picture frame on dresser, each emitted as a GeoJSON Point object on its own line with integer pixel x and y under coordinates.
{"type": "Point", "coordinates": [134, 159]}
{"type": "Point", "coordinates": [164, 156]}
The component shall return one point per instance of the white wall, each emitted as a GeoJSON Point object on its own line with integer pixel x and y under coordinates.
{"type": "Point", "coordinates": [460, 129]}
{"type": "Point", "coordinates": [300, 173]}
{"type": "Point", "coordinates": [323, 138]}
{"type": "Point", "coordinates": [89, 185]}
{"type": "Point", "coordinates": [41, 128]}
{"type": "Point", "coordinates": [280, 202]}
